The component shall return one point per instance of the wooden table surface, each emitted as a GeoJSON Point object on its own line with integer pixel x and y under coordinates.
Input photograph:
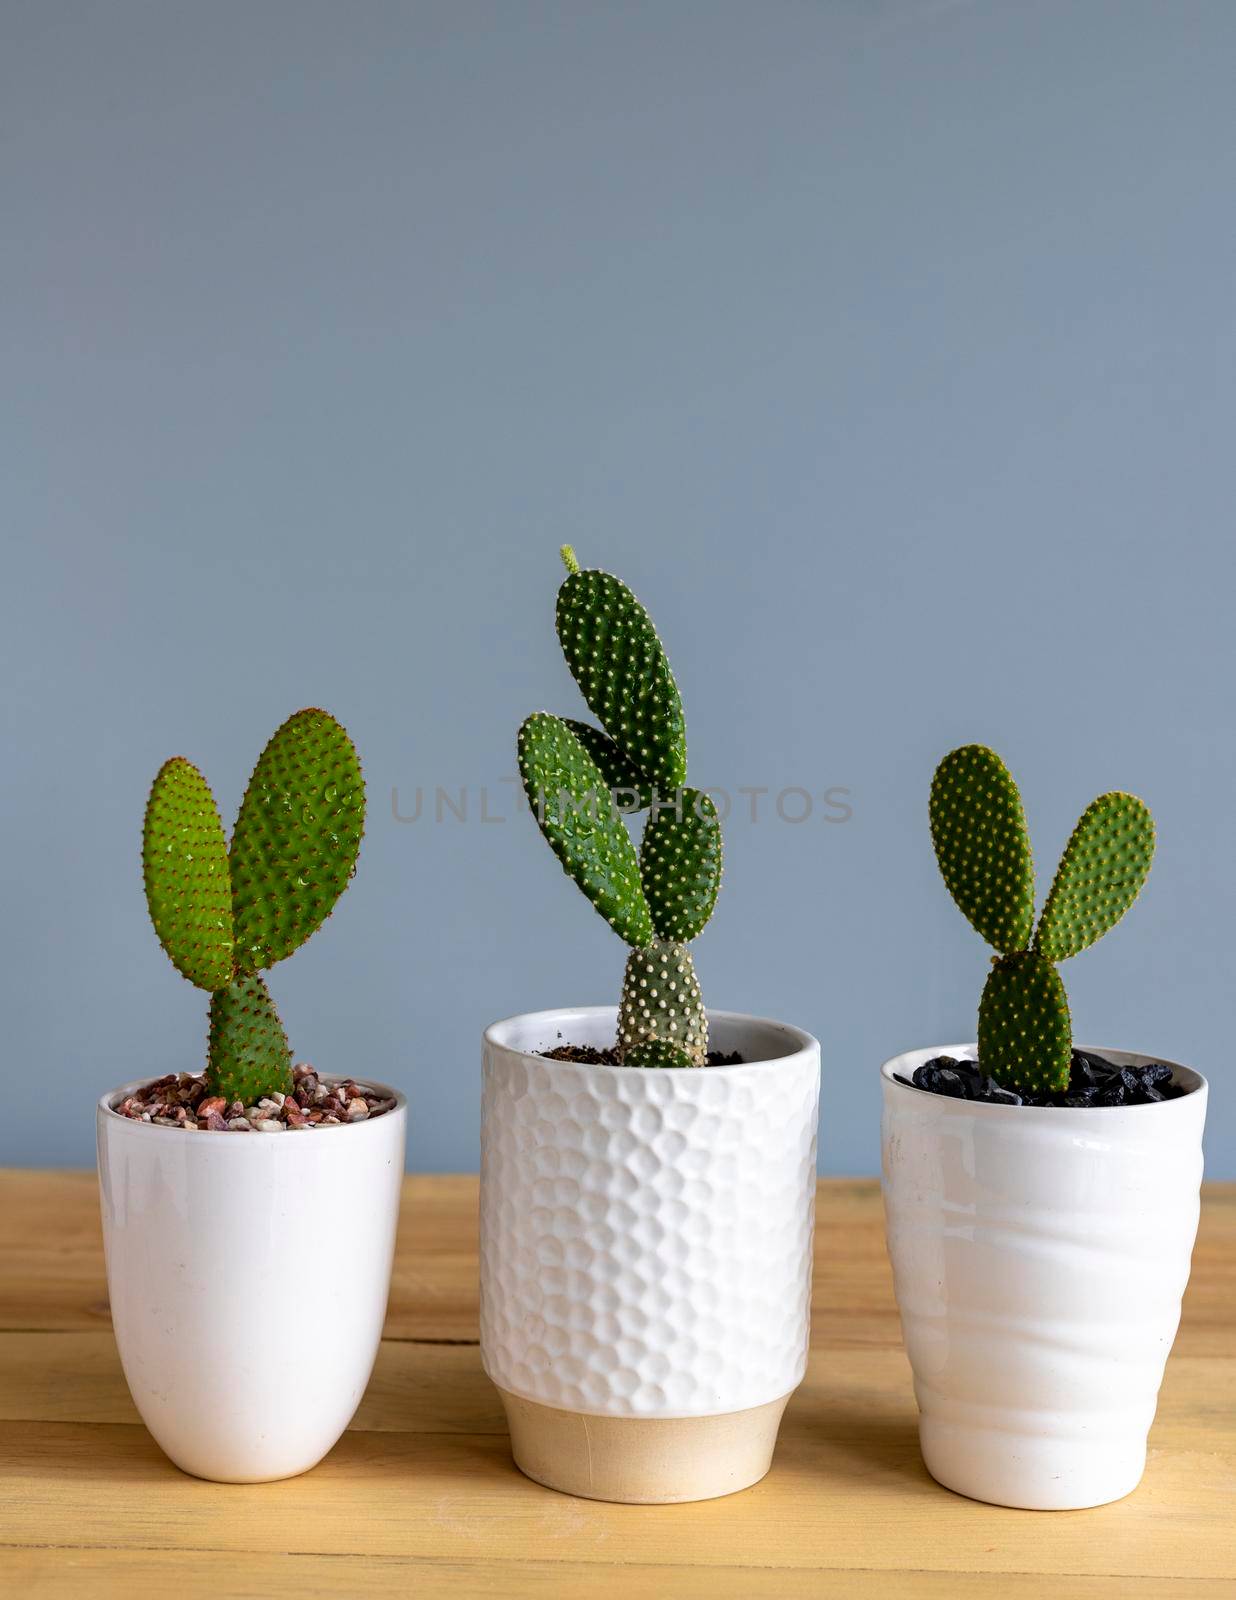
{"type": "Point", "coordinates": [420, 1497]}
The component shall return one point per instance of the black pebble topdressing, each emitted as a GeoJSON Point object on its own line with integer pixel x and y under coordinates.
{"type": "Point", "coordinates": [1093, 1081]}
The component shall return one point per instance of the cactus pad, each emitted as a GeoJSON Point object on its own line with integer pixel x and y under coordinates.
{"type": "Point", "coordinates": [979, 831]}
{"type": "Point", "coordinates": [661, 1003]}
{"type": "Point", "coordinates": [296, 839]}
{"type": "Point", "coordinates": [571, 801]}
{"type": "Point", "coordinates": [622, 777]}
{"type": "Point", "coordinates": [249, 1054]}
{"type": "Point", "coordinates": [657, 1053]}
{"type": "Point", "coordinates": [1025, 1035]}
{"type": "Point", "coordinates": [574, 775]}
{"type": "Point", "coordinates": [680, 865]}
{"type": "Point", "coordinates": [1100, 875]}
{"type": "Point", "coordinates": [613, 650]}
{"type": "Point", "coordinates": [184, 862]}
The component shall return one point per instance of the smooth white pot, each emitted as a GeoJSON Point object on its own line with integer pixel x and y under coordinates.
{"type": "Point", "coordinates": [1039, 1256]}
{"type": "Point", "coordinates": [248, 1276]}
{"type": "Point", "coordinates": [646, 1254]}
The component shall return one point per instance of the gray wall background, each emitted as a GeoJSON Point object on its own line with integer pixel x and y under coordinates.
{"type": "Point", "coordinates": [885, 349]}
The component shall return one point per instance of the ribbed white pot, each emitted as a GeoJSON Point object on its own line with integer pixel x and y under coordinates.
{"type": "Point", "coordinates": [1039, 1257]}
{"type": "Point", "coordinates": [248, 1276]}
{"type": "Point", "coordinates": [646, 1254]}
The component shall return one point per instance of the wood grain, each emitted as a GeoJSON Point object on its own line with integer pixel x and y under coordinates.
{"type": "Point", "coordinates": [420, 1495]}
{"type": "Point", "coordinates": [69, 1574]}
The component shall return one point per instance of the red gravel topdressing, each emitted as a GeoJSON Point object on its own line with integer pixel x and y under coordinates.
{"type": "Point", "coordinates": [182, 1100]}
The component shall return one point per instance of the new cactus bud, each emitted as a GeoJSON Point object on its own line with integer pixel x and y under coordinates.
{"type": "Point", "coordinates": [982, 844]}
{"type": "Point", "coordinates": [222, 915]}
{"type": "Point", "coordinates": [572, 773]}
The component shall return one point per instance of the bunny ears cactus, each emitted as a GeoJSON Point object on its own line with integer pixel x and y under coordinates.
{"type": "Point", "coordinates": [224, 915]}
{"type": "Point", "coordinates": [582, 780]}
{"type": "Point", "coordinates": [982, 844]}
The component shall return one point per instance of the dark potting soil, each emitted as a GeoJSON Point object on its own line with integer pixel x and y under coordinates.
{"type": "Point", "coordinates": [588, 1055]}
{"type": "Point", "coordinates": [1093, 1081]}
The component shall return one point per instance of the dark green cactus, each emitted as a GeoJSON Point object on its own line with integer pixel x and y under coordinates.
{"type": "Point", "coordinates": [612, 648]}
{"type": "Point", "coordinates": [662, 1005]}
{"type": "Point", "coordinates": [581, 780]}
{"type": "Point", "coordinates": [680, 865]}
{"type": "Point", "coordinates": [979, 831]}
{"type": "Point", "coordinates": [573, 806]}
{"type": "Point", "coordinates": [632, 791]}
{"type": "Point", "coordinates": [657, 1053]}
{"type": "Point", "coordinates": [224, 915]}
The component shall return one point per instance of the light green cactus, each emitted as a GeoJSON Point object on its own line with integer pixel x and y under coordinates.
{"type": "Point", "coordinates": [188, 889]}
{"type": "Point", "coordinates": [978, 827]}
{"type": "Point", "coordinates": [248, 1053]}
{"type": "Point", "coordinates": [580, 781]}
{"type": "Point", "coordinates": [225, 915]}
{"type": "Point", "coordinates": [1100, 875]}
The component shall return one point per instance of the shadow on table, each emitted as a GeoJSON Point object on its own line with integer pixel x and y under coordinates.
{"type": "Point", "coordinates": [845, 1437]}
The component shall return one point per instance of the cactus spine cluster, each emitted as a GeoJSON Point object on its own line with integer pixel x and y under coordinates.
{"type": "Point", "coordinates": [982, 844]}
{"type": "Point", "coordinates": [223, 914]}
{"type": "Point", "coordinates": [582, 780]}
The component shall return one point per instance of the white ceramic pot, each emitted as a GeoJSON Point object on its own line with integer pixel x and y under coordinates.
{"type": "Point", "coordinates": [646, 1254]}
{"type": "Point", "coordinates": [1039, 1256]}
{"type": "Point", "coordinates": [248, 1276]}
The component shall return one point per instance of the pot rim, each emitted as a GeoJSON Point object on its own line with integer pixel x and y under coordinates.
{"type": "Point", "coordinates": [1198, 1085]}
{"type": "Point", "coordinates": [802, 1043]}
{"type": "Point", "coordinates": [106, 1109]}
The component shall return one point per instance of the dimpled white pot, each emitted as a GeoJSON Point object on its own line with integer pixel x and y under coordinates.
{"type": "Point", "coordinates": [1039, 1256]}
{"type": "Point", "coordinates": [248, 1276]}
{"type": "Point", "coordinates": [646, 1254]}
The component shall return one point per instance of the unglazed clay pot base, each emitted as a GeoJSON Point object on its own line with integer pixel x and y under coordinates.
{"type": "Point", "coordinates": [646, 1254]}
{"type": "Point", "coordinates": [642, 1460]}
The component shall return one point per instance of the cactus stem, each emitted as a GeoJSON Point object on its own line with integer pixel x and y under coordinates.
{"type": "Point", "coordinates": [569, 560]}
